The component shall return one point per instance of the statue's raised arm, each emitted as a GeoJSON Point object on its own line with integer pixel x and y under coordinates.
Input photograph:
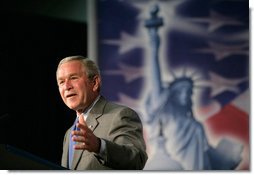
{"type": "Point", "coordinates": [153, 24]}
{"type": "Point", "coordinates": [155, 84]}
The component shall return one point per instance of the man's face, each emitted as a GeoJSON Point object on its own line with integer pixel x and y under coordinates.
{"type": "Point", "coordinates": [76, 90]}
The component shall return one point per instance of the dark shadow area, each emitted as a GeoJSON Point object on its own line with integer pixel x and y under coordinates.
{"type": "Point", "coordinates": [32, 114]}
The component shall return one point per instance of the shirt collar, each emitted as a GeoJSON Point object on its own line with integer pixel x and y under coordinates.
{"type": "Point", "coordinates": [86, 112]}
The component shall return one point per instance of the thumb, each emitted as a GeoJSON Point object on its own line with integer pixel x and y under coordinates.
{"type": "Point", "coordinates": [81, 120]}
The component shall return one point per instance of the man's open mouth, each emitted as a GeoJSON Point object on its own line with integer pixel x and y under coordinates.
{"type": "Point", "coordinates": [70, 95]}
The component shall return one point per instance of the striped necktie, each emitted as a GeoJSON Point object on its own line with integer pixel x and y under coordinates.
{"type": "Point", "coordinates": [71, 144]}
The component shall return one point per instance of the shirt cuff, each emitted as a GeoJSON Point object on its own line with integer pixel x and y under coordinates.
{"type": "Point", "coordinates": [103, 147]}
{"type": "Point", "coordinates": [101, 154]}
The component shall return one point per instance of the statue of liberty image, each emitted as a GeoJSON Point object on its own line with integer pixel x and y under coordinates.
{"type": "Point", "coordinates": [181, 143]}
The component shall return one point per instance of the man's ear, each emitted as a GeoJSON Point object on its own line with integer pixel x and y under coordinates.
{"type": "Point", "coordinates": [96, 82]}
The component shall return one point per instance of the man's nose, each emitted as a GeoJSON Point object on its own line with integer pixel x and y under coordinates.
{"type": "Point", "coordinates": [68, 85]}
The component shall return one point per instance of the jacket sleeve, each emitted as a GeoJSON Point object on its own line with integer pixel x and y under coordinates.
{"type": "Point", "coordinates": [126, 147]}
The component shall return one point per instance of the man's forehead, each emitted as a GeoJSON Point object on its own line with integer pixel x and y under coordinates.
{"type": "Point", "coordinates": [68, 68]}
{"type": "Point", "coordinates": [77, 65]}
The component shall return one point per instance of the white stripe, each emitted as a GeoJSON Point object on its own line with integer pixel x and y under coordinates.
{"type": "Point", "coordinates": [243, 101]}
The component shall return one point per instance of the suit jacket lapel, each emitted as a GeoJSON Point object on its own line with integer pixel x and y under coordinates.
{"type": "Point", "coordinates": [95, 113]}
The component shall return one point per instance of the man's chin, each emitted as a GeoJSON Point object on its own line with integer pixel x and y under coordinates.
{"type": "Point", "coordinates": [73, 107]}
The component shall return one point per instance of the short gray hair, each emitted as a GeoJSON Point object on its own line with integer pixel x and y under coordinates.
{"type": "Point", "coordinates": [90, 67]}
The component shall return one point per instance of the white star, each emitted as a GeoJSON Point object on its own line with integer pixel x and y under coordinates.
{"type": "Point", "coordinates": [130, 73]}
{"type": "Point", "coordinates": [242, 36]}
{"type": "Point", "coordinates": [221, 51]}
{"type": "Point", "coordinates": [126, 42]}
{"type": "Point", "coordinates": [216, 21]}
{"type": "Point", "coordinates": [220, 84]}
{"type": "Point", "coordinates": [243, 101]}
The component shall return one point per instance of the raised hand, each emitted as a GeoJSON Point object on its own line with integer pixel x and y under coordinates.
{"type": "Point", "coordinates": [85, 137]}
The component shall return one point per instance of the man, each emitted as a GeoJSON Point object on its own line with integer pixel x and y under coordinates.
{"type": "Point", "coordinates": [105, 135]}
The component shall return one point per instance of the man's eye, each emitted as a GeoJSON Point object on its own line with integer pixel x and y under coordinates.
{"type": "Point", "coordinates": [74, 78]}
{"type": "Point", "coordinates": [60, 83]}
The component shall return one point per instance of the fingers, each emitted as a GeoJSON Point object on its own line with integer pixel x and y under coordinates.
{"type": "Point", "coordinates": [80, 147]}
{"type": "Point", "coordinates": [81, 133]}
{"type": "Point", "coordinates": [80, 139]}
{"type": "Point", "coordinates": [92, 144]}
{"type": "Point", "coordinates": [82, 127]}
{"type": "Point", "coordinates": [81, 136]}
{"type": "Point", "coordinates": [84, 137]}
{"type": "Point", "coordinates": [86, 140]}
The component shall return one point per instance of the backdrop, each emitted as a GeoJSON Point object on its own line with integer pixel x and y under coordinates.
{"type": "Point", "coordinates": [183, 65]}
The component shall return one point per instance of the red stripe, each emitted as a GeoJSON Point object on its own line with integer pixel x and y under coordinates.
{"type": "Point", "coordinates": [230, 121]}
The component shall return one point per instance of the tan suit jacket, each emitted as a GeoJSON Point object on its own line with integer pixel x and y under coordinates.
{"type": "Point", "coordinates": [121, 129]}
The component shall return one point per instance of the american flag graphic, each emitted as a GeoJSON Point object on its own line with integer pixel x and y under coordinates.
{"type": "Point", "coordinates": [150, 51]}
